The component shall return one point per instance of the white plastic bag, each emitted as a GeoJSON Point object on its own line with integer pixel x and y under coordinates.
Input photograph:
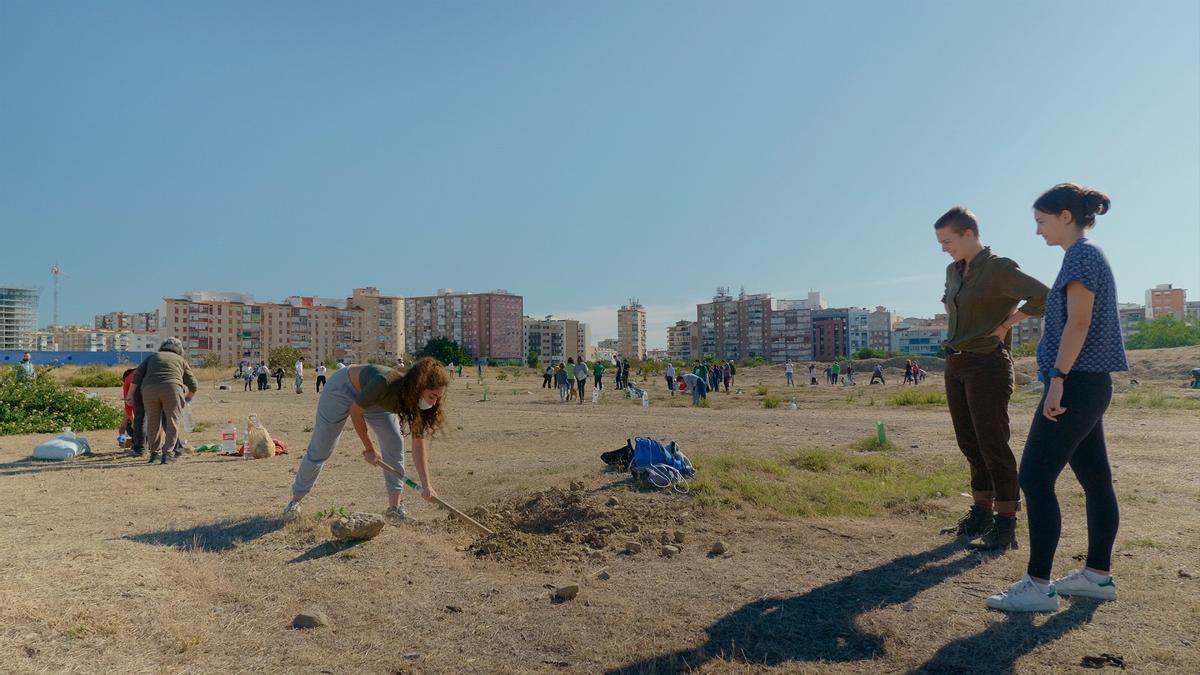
{"type": "Point", "coordinates": [57, 450]}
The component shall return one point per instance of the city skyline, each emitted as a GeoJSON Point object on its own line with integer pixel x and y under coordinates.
{"type": "Point", "coordinates": [417, 146]}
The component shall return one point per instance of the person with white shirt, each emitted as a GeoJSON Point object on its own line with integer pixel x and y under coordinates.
{"type": "Point", "coordinates": [671, 378]}
{"type": "Point", "coordinates": [320, 376]}
{"type": "Point", "coordinates": [789, 371]}
{"type": "Point", "coordinates": [300, 375]}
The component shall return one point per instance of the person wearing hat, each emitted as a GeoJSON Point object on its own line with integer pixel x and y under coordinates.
{"type": "Point", "coordinates": [165, 383]}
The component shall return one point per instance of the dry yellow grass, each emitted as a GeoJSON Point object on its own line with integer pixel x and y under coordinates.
{"type": "Point", "coordinates": [111, 565]}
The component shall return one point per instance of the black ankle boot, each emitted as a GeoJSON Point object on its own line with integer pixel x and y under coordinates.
{"type": "Point", "coordinates": [1001, 537]}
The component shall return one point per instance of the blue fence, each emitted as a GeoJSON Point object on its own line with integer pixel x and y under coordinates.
{"type": "Point", "coordinates": [75, 358]}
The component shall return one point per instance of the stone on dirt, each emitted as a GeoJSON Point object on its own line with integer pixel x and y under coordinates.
{"type": "Point", "coordinates": [613, 501]}
{"type": "Point", "coordinates": [678, 536]}
{"type": "Point", "coordinates": [565, 593]}
{"type": "Point", "coordinates": [357, 526]}
{"type": "Point", "coordinates": [310, 619]}
{"type": "Point", "coordinates": [669, 550]}
{"type": "Point", "coordinates": [633, 547]}
{"type": "Point", "coordinates": [720, 547]}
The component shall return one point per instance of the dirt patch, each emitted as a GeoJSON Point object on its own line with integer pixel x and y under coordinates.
{"type": "Point", "coordinates": [555, 526]}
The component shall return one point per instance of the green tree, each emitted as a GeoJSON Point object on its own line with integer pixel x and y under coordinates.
{"type": "Point", "coordinates": [532, 359]}
{"type": "Point", "coordinates": [283, 357]}
{"type": "Point", "coordinates": [870, 353]}
{"type": "Point", "coordinates": [1164, 331]}
{"type": "Point", "coordinates": [445, 350]}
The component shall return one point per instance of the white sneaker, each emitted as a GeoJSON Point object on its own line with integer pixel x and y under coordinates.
{"type": "Point", "coordinates": [1025, 596]}
{"type": "Point", "coordinates": [290, 512]}
{"type": "Point", "coordinates": [396, 515]}
{"type": "Point", "coordinates": [1079, 585]}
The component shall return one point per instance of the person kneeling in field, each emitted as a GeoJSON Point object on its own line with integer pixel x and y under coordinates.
{"type": "Point", "coordinates": [697, 385]}
{"type": "Point", "coordinates": [393, 404]}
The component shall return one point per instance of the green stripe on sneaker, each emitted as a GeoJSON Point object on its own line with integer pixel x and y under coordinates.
{"type": "Point", "coordinates": [1052, 593]}
{"type": "Point", "coordinates": [1108, 582]}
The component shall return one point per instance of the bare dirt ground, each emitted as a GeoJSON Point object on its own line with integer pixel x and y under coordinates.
{"type": "Point", "coordinates": [113, 565]}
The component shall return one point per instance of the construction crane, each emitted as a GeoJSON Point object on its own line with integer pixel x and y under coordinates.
{"type": "Point", "coordinates": [56, 272]}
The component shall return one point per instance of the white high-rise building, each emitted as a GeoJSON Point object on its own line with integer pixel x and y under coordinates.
{"type": "Point", "coordinates": [18, 317]}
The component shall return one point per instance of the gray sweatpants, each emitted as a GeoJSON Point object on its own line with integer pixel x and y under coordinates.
{"type": "Point", "coordinates": [333, 408]}
{"type": "Point", "coordinates": [164, 415]}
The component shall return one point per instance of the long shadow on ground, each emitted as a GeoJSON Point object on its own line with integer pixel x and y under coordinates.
{"type": "Point", "coordinates": [995, 650]}
{"type": "Point", "coordinates": [820, 624]}
{"type": "Point", "coordinates": [324, 550]}
{"type": "Point", "coordinates": [219, 536]}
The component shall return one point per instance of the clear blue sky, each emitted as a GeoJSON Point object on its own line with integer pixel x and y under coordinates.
{"type": "Point", "coordinates": [580, 154]}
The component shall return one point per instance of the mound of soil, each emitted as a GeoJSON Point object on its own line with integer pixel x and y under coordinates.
{"type": "Point", "coordinates": [555, 526]}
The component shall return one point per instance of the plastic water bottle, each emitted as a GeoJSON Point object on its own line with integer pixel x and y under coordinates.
{"type": "Point", "coordinates": [229, 437]}
{"type": "Point", "coordinates": [645, 400]}
{"type": "Point", "coordinates": [188, 424]}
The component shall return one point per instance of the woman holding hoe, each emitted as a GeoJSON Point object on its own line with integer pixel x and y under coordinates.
{"type": "Point", "coordinates": [393, 404]}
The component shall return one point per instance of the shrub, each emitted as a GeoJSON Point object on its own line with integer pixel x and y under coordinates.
{"type": "Point", "coordinates": [814, 460]}
{"type": "Point", "coordinates": [754, 362]}
{"type": "Point", "coordinates": [872, 443]}
{"type": "Point", "coordinates": [46, 406]}
{"type": "Point", "coordinates": [283, 357]}
{"type": "Point", "coordinates": [772, 401]}
{"type": "Point", "coordinates": [502, 375]}
{"type": "Point", "coordinates": [761, 390]}
{"type": "Point", "coordinates": [94, 376]}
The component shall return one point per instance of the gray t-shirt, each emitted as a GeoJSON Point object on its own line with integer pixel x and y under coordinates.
{"type": "Point", "coordinates": [376, 390]}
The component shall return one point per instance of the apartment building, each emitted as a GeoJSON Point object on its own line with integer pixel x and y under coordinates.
{"type": "Point", "coordinates": [18, 317]}
{"type": "Point", "coordinates": [1131, 315]}
{"type": "Point", "coordinates": [88, 339]}
{"type": "Point", "coordinates": [879, 328]}
{"type": "Point", "coordinates": [858, 329]}
{"type": "Point", "coordinates": [679, 340]}
{"type": "Point", "coordinates": [1163, 300]}
{"type": "Point", "coordinates": [1028, 330]}
{"type": "Point", "coordinates": [734, 327]}
{"type": "Point", "coordinates": [488, 325]}
{"type": "Point", "coordinates": [631, 330]}
{"type": "Point", "coordinates": [555, 340]}
{"type": "Point", "coordinates": [831, 333]}
{"type": "Point", "coordinates": [382, 336]}
{"type": "Point", "coordinates": [138, 322]}
{"type": "Point", "coordinates": [790, 331]}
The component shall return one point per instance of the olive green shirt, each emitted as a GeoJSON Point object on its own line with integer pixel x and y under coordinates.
{"type": "Point", "coordinates": [987, 295]}
{"type": "Point", "coordinates": [165, 368]}
{"type": "Point", "coordinates": [376, 390]}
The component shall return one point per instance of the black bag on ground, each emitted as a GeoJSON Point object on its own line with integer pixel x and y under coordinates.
{"type": "Point", "coordinates": [620, 458]}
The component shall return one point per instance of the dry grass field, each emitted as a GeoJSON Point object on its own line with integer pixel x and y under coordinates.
{"type": "Point", "coordinates": [835, 561]}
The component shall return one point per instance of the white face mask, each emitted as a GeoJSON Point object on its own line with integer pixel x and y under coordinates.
{"type": "Point", "coordinates": [423, 404]}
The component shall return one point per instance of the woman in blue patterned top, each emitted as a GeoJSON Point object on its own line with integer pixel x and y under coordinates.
{"type": "Point", "coordinates": [1080, 346]}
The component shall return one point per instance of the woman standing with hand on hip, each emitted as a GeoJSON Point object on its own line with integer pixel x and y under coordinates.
{"type": "Point", "coordinates": [391, 403]}
{"type": "Point", "coordinates": [983, 291]}
{"type": "Point", "coordinates": [1080, 346]}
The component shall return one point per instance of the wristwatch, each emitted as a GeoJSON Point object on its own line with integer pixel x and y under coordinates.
{"type": "Point", "coordinates": [1055, 372]}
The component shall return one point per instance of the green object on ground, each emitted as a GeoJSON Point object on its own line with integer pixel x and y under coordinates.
{"type": "Point", "coordinates": [881, 431]}
{"type": "Point", "coordinates": [208, 447]}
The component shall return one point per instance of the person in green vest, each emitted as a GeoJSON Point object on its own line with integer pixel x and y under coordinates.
{"type": "Point", "coordinates": [598, 372]}
{"type": "Point", "coordinates": [834, 371]}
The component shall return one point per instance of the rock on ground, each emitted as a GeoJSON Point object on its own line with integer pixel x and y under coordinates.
{"type": "Point", "coordinates": [568, 592]}
{"type": "Point", "coordinates": [633, 547]}
{"type": "Point", "coordinates": [310, 619]}
{"type": "Point", "coordinates": [356, 526]}
{"type": "Point", "coordinates": [720, 547]}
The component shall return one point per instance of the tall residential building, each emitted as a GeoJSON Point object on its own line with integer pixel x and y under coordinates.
{"type": "Point", "coordinates": [922, 337]}
{"type": "Point", "coordinates": [734, 328]}
{"type": "Point", "coordinates": [556, 340]}
{"type": "Point", "coordinates": [879, 328]}
{"type": "Point", "coordinates": [1131, 315]}
{"type": "Point", "coordinates": [610, 343]}
{"type": "Point", "coordinates": [382, 323]}
{"type": "Point", "coordinates": [679, 340]}
{"type": "Point", "coordinates": [1163, 299]}
{"type": "Point", "coordinates": [1028, 330]}
{"type": "Point", "coordinates": [858, 330]}
{"type": "Point", "coordinates": [831, 334]}
{"type": "Point", "coordinates": [18, 317]}
{"type": "Point", "coordinates": [790, 332]}
{"type": "Point", "coordinates": [88, 339]}
{"type": "Point", "coordinates": [631, 330]}
{"type": "Point", "coordinates": [489, 325]}
{"type": "Point", "coordinates": [140, 322]}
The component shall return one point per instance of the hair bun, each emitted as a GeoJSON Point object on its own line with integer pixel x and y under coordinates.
{"type": "Point", "coordinates": [1096, 203]}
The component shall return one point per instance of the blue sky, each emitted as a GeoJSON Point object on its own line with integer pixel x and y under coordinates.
{"type": "Point", "coordinates": [580, 154]}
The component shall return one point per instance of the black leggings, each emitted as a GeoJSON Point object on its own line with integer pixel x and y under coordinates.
{"type": "Point", "coordinates": [1077, 438]}
{"type": "Point", "coordinates": [582, 387]}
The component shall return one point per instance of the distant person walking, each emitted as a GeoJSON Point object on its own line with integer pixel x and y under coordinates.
{"type": "Point", "coordinates": [789, 371]}
{"type": "Point", "coordinates": [598, 373]}
{"type": "Point", "coordinates": [812, 374]}
{"type": "Point", "coordinates": [570, 378]}
{"type": "Point", "coordinates": [727, 374]}
{"type": "Point", "coordinates": [299, 375]}
{"type": "Point", "coordinates": [835, 372]}
{"type": "Point", "coordinates": [670, 378]}
{"type": "Point", "coordinates": [278, 375]}
{"type": "Point", "coordinates": [320, 370]}
{"type": "Point", "coordinates": [908, 372]}
{"type": "Point", "coordinates": [560, 378]}
{"type": "Point", "coordinates": [849, 379]}
{"type": "Point", "coordinates": [247, 376]}
{"type": "Point", "coordinates": [982, 295]}
{"type": "Point", "coordinates": [165, 383]}
{"type": "Point", "coordinates": [581, 376]}
{"type": "Point", "coordinates": [548, 377]}
{"type": "Point", "coordinates": [1081, 346]}
{"type": "Point", "coordinates": [732, 372]}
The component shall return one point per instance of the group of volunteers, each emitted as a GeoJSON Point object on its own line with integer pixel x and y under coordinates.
{"type": "Point", "coordinates": [985, 296]}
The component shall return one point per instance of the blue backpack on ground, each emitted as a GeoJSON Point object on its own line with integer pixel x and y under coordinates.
{"type": "Point", "coordinates": [657, 465]}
